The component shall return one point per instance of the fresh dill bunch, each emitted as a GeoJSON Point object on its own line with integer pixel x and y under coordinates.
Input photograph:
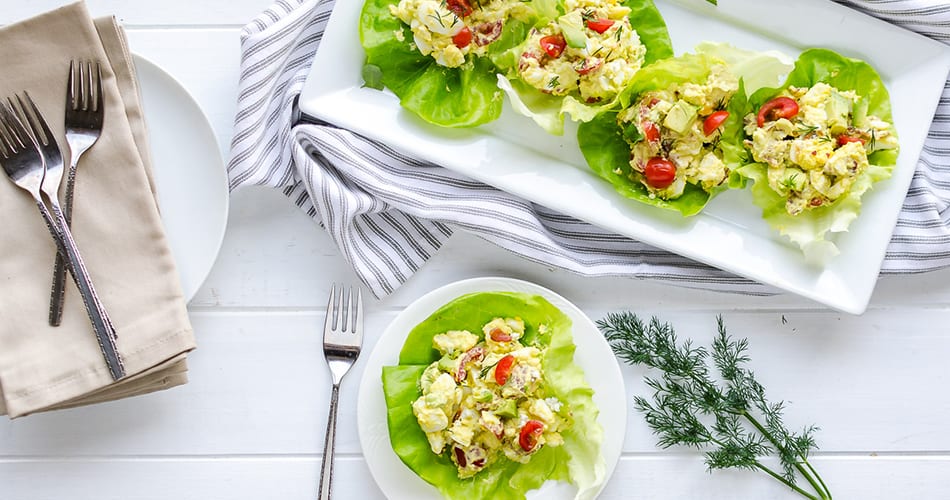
{"type": "Point", "coordinates": [726, 415]}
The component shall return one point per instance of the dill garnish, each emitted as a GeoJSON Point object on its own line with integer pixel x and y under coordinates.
{"type": "Point", "coordinates": [732, 422]}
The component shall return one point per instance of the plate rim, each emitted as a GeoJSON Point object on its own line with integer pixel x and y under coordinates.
{"type": "Point", "coordinates": [846, 286]}
{"type": "Point", "coordinates": [220, 165]}
{"type": "Point", "coordinates": [428, 303]}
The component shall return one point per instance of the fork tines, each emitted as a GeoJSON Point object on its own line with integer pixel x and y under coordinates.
{"type": "Point", "coordinates": [343, 315]}
{"type": "Point", "coordinates": [84, 89]}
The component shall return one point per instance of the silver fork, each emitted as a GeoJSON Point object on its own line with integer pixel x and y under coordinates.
{"type": "Point", "coordinates": [84, 116]}
{"type": "Point", "coordinates": [24, 164]}
{"type": "Point", "coordinates": [342, 341]}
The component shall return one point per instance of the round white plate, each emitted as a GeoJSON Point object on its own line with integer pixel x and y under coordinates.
{"type": "Point", "coordinates": [189, 174]}
{"type": "Point", "coordinates": [593, 355]}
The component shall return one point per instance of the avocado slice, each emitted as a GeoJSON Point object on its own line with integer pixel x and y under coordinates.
{"type": "Point", "coordinates": [838, 109]}
{"type": "Point", "coordinates": [572, 27]}
{"type": "Point", "coordinates": [680, 116]}
{"type": "Point", "coordinates": [508, 409]}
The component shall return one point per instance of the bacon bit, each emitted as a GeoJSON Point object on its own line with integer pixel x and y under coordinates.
{"type": "Point", "coordinates": [460, 8]}
{"type": "Point", "coordinates": [470, 356]}
{"type": "Point", "coordinates": [816, 202]}
{"type": "Point", "coordinates": [487, 33]}
{"type": "Point", "coordinates": [588, 65]}
{"type": "Point", "coordinates": [460, 457]}
{"type": "Point", "coordinates": [498, 335]}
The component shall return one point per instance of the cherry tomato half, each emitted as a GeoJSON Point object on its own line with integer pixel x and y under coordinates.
{"type": "Point", "coordinates": [651, 131]}
{"type": "Point", "coordinates": [462, 38]}
{"type": "Point", "coordinates": [713, 121]}
{"type": "Point", "coordinates": [499, 335]}
{"type": "Point", "coordinates": [780, 107]}
{"type": "Point", "coordinates": [460, 8]}
{"type": "Point", "coordinates": [660, 172]}
{"type": "Point", "coordinates": [553, 45]}
{"type": "Point", "coordinates": [600, 25]}
{"type": "Point", "coordinates": [844, 139]}
{"type": "Point", "coordinates": [528, 439]}
{"type": "Point", "coordinates": [503, 369]}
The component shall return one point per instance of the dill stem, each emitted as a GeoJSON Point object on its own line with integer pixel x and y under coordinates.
{"type": "Point", "coordinates": [823, 491]}
{"type": "Point", "coordinates": [786, 482]}
{"type": "Point", "coordinates": [770, 472]}
{"type": "Point", "coordinates": [813, 471]}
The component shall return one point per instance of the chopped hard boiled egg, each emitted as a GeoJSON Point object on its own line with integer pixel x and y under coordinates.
{"type": "Point", "coordinates": [673, 135]}
{"type": "Point", "coordinates": [591, 51]}
{"type": "Point", "coordinates": [485, 399]}
{"type": "Point", "coordinates": [815, 143]}
{"type": "Point", "coordinates": [451, 30]}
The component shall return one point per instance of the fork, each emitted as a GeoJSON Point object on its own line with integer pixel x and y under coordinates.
{"type": "Point", "coordinates": [84, 116]}
{"type": "Point", "coordinates": [24, 163]}
{"type": "Point", "coordinates": [342, 341]}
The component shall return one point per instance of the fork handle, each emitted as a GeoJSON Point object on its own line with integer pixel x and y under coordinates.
{"type": "Point", "coordinates": [57, 296]}
{"type": "Point", "coordinates": [101, 324]}
{"type": "Point", "coordinates": [326, 474]}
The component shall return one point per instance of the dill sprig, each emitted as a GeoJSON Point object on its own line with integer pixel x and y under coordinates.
{"type": "Point", "coordinates": [731, 421]}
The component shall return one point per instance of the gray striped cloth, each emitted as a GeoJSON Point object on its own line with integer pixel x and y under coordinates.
{"type": "Point", "coordinates": [388, 212]}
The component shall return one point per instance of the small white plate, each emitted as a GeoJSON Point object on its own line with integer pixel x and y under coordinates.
{"type": "Point", "coordinates": [189, 174]}
{"type": "Point", "coordinates": [593, 355]}
{"type": "Point", "coordinates": [514, 155]}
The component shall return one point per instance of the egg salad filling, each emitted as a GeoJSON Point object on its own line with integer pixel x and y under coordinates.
{"type": "Point", "coordinates": [486, 399]}
{"type": "Point", "coordinates": [673, 135]}
{"type": "Point", "coordinates": [451, 30]}
{"type": "Point", "coordinates": [591, 51]}
{"type": "Point", "coordinates": [815, 142]}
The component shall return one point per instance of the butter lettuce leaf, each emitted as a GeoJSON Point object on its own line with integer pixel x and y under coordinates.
{"type": "Point", "coordinates": [547, 110]}
{"type": "Point", "coordinates": [810, 228]}
{"type": "Point", "coordinates": [466, 96]}
{"type": "Point", "coordinates": [605, 150]}
{"type": "Point", "coordinates": [578, 460]}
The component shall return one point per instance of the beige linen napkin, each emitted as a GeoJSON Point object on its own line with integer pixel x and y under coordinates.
{"type": "Point", "coordinates": [116, 225]}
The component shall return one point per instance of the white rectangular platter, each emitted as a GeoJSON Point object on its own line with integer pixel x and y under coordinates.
{"type": "Point", "coordinates": [514, 155]}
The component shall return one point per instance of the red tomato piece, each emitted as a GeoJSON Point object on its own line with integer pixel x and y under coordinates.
{"type": "Point", "coordinates": [499, 335]}
{"type": "Point", "coordinates": [600, 25]}
{"type": "Point", "coordinates": [553, 45]}
{"type": "Point", "coordinates": [460, 8]}
{"type": "Point", "coordinates": [503, 369]}
{"type": "Point", "coordinates": [780, 107]}
{"type": "Point", "coordinates": [713, 121]}
{"type": "Point", "coordinates": [660, 172]}
{"type": "Point", "coordinates": [462, 38]}
{"type": "Point", "coordinates": [651, 131]}
{"type": "Point", "coordinates": [528, 439]}
{"type": "Point", "coordinates": [844, 139]}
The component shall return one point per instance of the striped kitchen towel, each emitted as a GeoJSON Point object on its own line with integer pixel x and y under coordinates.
{"type": "Point", "coordinates": [388, 213]}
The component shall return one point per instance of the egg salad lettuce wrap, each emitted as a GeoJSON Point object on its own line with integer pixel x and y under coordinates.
{"type": "Point", "coordinates": [435, 55]}
{"type": "Point", "coordinates": [579, 56]}
{"type": "Point", "coordinates": [675, 138]}
{"type": "Point", "coordinates": [816, 144]}
{"type": "Point", "coordinates": [466, 341]}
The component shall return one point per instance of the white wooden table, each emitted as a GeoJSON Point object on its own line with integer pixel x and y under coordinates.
{"type": "Point", "coordinates": [250, 423]}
